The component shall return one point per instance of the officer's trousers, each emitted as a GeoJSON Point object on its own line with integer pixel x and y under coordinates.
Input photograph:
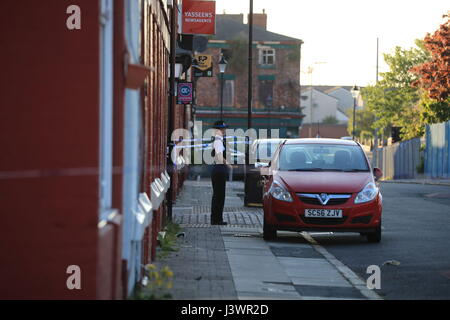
{"type": "Point", "coordinates": [219, 179]}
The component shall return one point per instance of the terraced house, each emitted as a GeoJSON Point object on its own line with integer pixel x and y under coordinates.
{"type": "Point", "coordinates": [85, 185]}
{"type": "Point", "coordinates": [276, 77]}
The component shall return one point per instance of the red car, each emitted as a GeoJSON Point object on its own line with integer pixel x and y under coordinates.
{"type": "Point", "coordinates": [322, 185]}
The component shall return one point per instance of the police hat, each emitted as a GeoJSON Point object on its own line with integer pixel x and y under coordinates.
{"type": "Point", "coordinates": [220, 125]}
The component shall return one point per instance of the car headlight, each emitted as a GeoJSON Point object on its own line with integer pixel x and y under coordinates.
{"type": "Point", "coordinates": [279, 192]}
{"type": "Point", "coordinates": [367, 194]}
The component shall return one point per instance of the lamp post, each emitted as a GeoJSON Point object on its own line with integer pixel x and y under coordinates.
{"type": "Point", "coordinates": [248, 182]}
{"type": "Point", "coordinates": [222, 68]}
{"type": "Point", "coordinates": [375, 140]}
{"type": "Point", "coordinates": [355, 93]}
{"type": "Point", "coordinates": [250, 72]}
{"type": "Point", "coordinates": [171, 104]}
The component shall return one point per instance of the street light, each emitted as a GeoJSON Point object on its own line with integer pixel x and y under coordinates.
{"type": "Point", "coordinates": [222, 68]}
{"type": "Point", "coordinates": [355, 93]}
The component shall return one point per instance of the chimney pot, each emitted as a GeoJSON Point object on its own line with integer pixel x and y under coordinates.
{"type": "Point", "coordinates": [260, 19]}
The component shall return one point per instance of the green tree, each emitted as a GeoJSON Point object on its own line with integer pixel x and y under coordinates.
{"type": "Point", "coordinates": [330, 120]}
{"type": "Point", "coordinates": [237, 55]}
{"type": "Point", "coordinates": [364, 122]}
{"type": "Point", "coordinates": [393, 100]}
{"type": "Point", "coordinates": [435, 111]}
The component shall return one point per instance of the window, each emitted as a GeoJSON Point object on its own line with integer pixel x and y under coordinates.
{"type": "Point", "coordinates": [228, 93]}
{"type": "Point", "coordinates": [267, 56]}
{"type": "Point", "coordinates": [266, 93]}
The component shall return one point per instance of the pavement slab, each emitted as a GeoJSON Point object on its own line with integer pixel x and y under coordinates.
{"type": "Point", "coordinates": [200, 267]}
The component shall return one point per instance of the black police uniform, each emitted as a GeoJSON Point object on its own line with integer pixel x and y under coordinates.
{"type": "Point", "coordinates": [219, 178]}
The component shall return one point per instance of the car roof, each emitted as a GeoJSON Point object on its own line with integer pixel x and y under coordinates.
{"type": "Point", "coordinates": [321, 141]}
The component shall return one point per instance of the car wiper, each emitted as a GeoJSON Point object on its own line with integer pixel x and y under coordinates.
{"type": "Point", "coordinates": [355, 170]}
{"type": "Point", "coordinates": [309, 169]}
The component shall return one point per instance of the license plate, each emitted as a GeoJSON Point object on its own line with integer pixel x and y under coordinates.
{"type": "Point", "coordinates": [323, 213]}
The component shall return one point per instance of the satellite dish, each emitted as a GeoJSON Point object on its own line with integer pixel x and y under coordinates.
{"type": "Point", "coordinates": [200, 44]}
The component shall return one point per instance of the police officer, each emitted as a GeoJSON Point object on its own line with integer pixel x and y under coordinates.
{"type": "Point", "coordinates": [219, 174]}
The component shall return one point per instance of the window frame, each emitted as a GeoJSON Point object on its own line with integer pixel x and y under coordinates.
{"type": "Point", "coordinates": [232, 96]}
{"type": "Point", "coordinates": [264, 55]}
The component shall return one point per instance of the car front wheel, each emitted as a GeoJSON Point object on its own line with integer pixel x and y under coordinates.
{"type": "Point", "coordinates": [374, 237]}
{"type": "Point", "coordinates": [269, 232]}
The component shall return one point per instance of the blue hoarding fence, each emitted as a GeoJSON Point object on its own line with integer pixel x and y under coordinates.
{"type": "Point", "coordinates": [437, 152]}
{"type": "Point", "coordinates": [400, 160]}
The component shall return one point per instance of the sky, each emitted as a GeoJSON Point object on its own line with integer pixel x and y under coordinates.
{"type": "Point", "coordinates": [340, 36]}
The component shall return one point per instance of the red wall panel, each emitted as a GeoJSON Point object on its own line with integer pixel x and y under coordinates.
{"type": "Point", "coordinates": [49, 124]}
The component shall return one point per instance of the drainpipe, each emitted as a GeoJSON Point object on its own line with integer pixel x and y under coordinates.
{"type": "Point", "coordinates": [170, 112]}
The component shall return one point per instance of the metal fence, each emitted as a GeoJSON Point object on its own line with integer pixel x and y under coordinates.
{"type": "Point", "coordinates": [400, 160]}
{"type": "Point", "coordinates": [437, 152]}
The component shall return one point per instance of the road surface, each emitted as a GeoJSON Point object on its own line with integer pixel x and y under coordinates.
{"type": "Point", "coordinates": [416, 233]}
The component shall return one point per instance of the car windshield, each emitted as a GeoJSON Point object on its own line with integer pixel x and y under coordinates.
{"type": "Point", "coordinates": [322, 157]}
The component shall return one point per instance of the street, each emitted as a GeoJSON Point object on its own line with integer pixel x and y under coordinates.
{"type": "Point", "coordinates": [415, 233]}
{"type": "Point", "coordinates": [412, 256]}
{"type": "Point", "coordinates": [187, 149]}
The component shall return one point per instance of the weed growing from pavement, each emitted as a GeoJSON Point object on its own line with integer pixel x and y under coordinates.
{"type": "Point", "coordinates": [157, 280]}
{"type": "Point", "coordinates": [156, 284]}
{"type": "Point", "coordinates": [167, 240]}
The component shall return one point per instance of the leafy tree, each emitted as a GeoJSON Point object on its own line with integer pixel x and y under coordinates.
{"type": "Point", "coordinates": [393, 101]}
{"type": "Point", "coordinates": [237, 55]}
{"type": "Point", "coordinates": [330, 120]}
{"type": "Point", "coordinates": [434, 75]}
{"type": "Point", "coordinates": [364, 121]}
{"type": "Point", "coordinates": [400, 64]}
{"type": "Point", "coordinates": [435, 111]}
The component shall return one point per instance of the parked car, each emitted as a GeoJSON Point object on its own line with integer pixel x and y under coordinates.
{"type": "Point", "coordinates": [322, 185]}
{"type": "Point", "coordinates": [262, 151]}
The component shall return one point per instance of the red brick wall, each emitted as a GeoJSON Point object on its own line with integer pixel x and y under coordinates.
{"type": "Point", "coordinates": [287, 77]}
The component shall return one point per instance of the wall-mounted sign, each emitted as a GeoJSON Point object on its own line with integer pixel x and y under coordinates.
{"type": "Point", "coordinates": [204, 67]}
{"type": "Point", "coordinates": [198, 17]}
{"type": "Point", "coordinates": [184, 93]}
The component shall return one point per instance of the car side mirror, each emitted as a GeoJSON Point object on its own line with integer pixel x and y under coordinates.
{"type": "Point", "coordinates": [377, 173]}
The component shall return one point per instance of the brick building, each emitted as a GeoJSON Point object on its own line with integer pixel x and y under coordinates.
{"type": "Point", "coordinates": [276, 77]}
